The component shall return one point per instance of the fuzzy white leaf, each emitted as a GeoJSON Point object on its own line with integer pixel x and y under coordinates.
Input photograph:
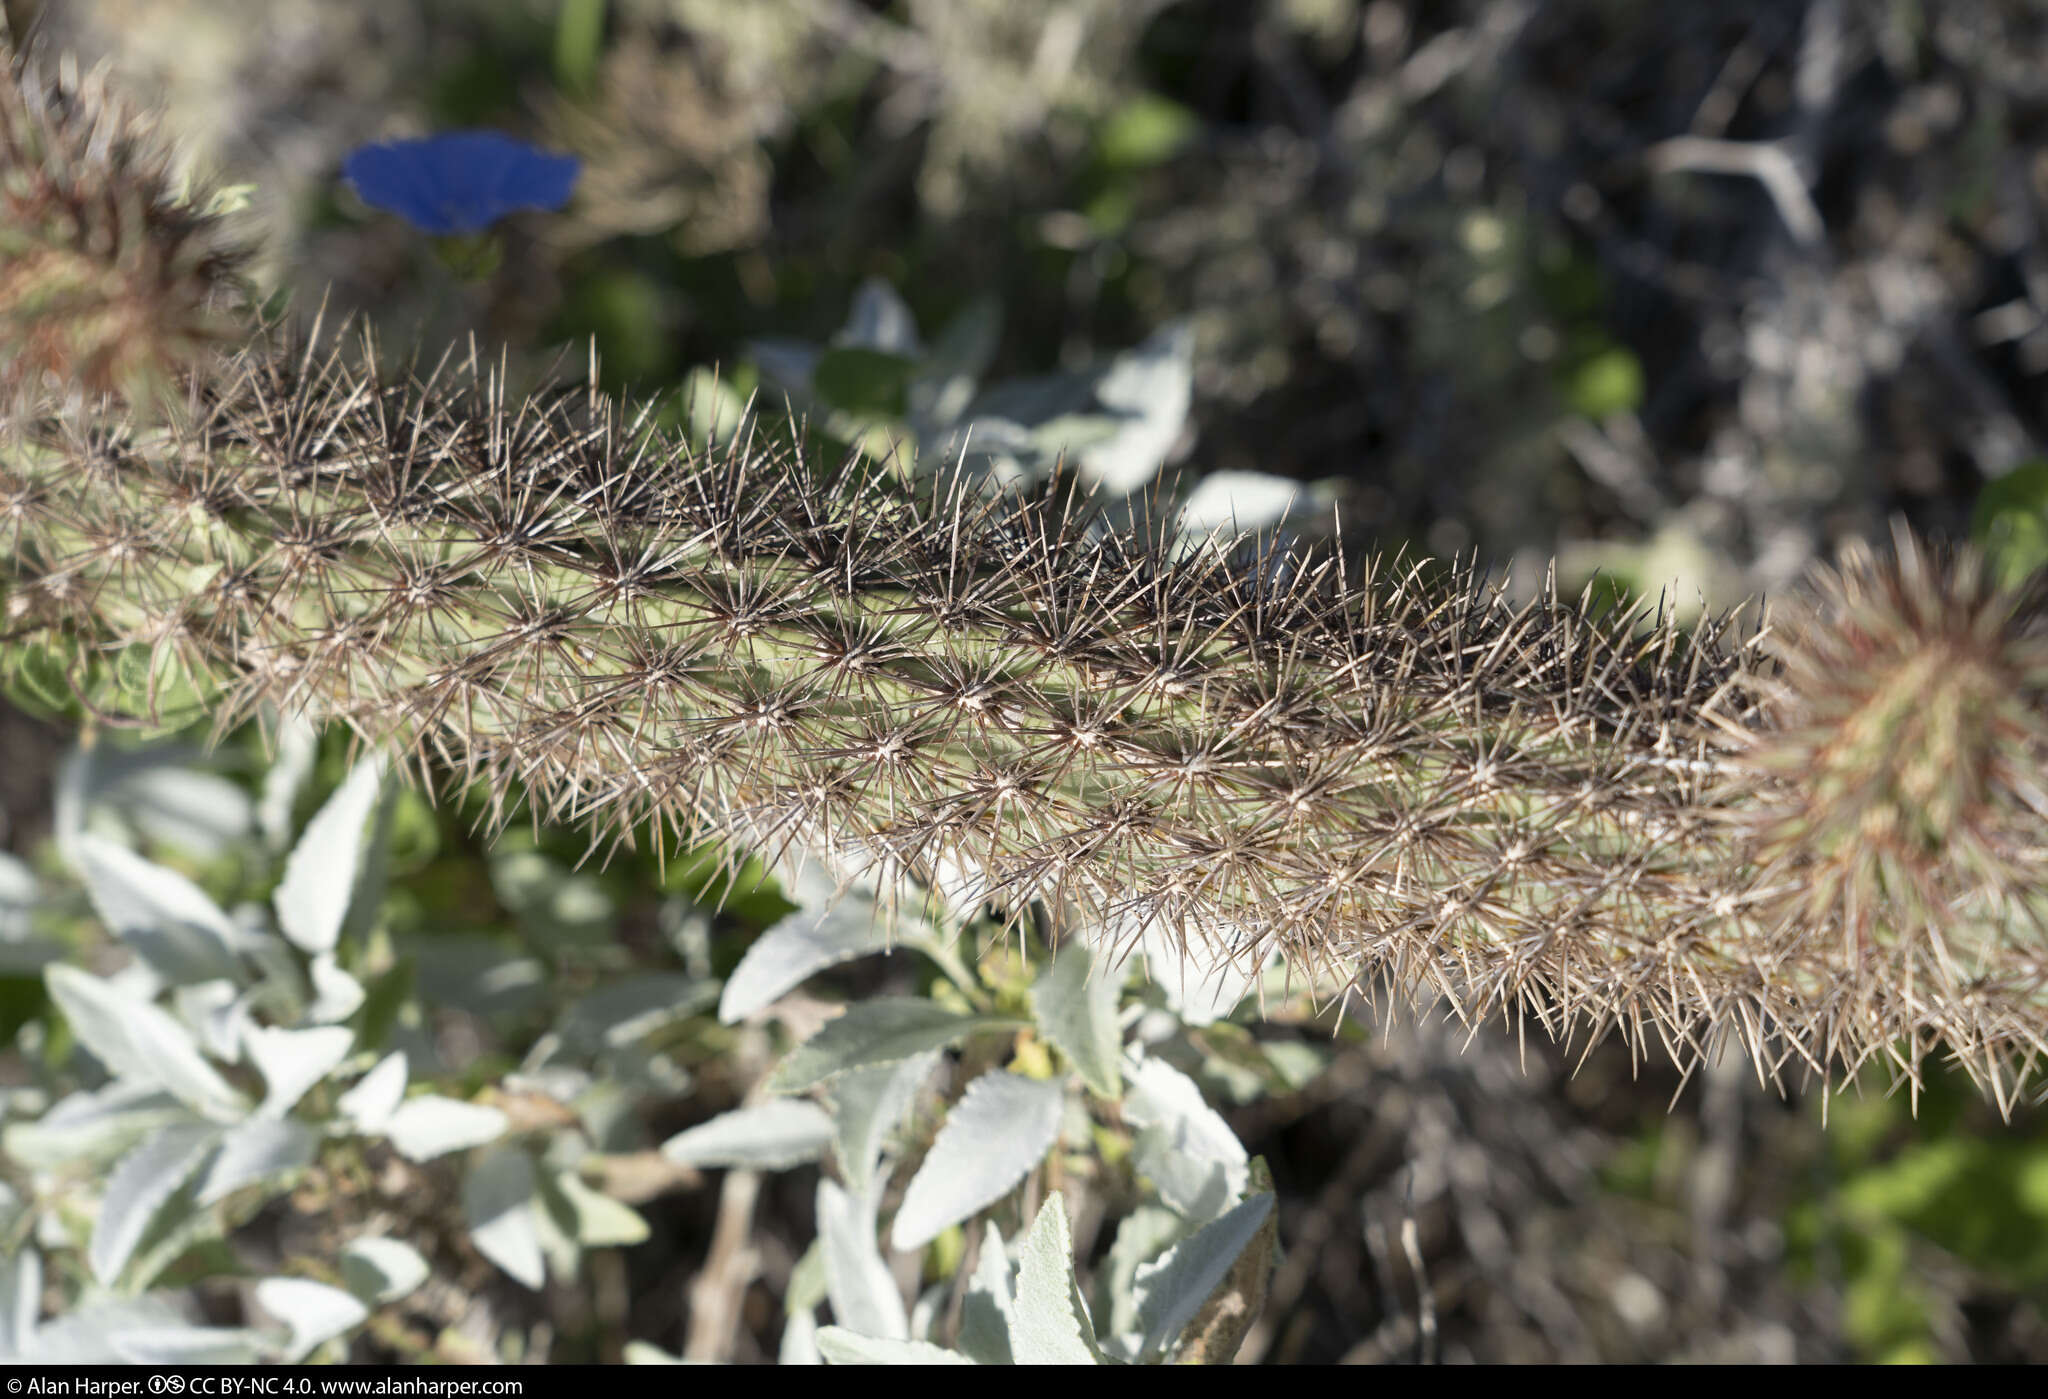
{"type": "Point", "coordinates": [257, 1150]}
{"type": "Point", "coordinates": [799, 946]}
{"type": "Point", "coordinates": [1149, 390]}
{"type": "Point", "coordinates": [641, 1353]}
{"type": "Point", "coordinates": [858, 1283]}
{"type": "Point", "coordinates": [320, 875]}
{"type": "Point", "coordinates": [292, 1061]}
{"type": "Point", "coordinates": [200, 812]}
{"type": "Point", "coordinates": [381, 1270]}
{"type": "Point", "coordinates": [1184, 1145]}
{"type": "Point", "coordinates": [21, 1302]}
{"type": "Point", "coordinates": [336, 994]}
{"type": "Point", "coordinates": [370, 1104]}
{"type": "Point", "coordinates": [1001, 1127]}
{"type": "Point", "coordinates": [771, 1136]}
{"type": "Point", "coordinates": [18, 897]}
{"type": "Point", "coordinates": [594, 1219]}
{"type": "Point", "coordinates": [840, 1346]}
{"type": "Point", "coordinates": [298, 746]}
{"type": "Point", "coordinates": [135, 1331]}
{"type": "Point", "coordinates": [885, 1030]}
{"type": "Point", "coordinates": [186, 1345]}
{"type": "Point", "coordinates": [1053, 1326]}
{"type": "Point", "coordinates": [217, 1014]}
{"type": "Point", "coordinates": [425, 1127]}
{"type": "Point", "coordinates": [138, 1190]}
{"type": "Point", "coordinates": [867, 1105]}
{"type": "Point", "coordinates": [988, 1313]}
{"type": "Point", "coordinates": [879, 320]}
{"type": "Point", "coordinates": [138, 1040]}
{"type": "Point", "coordinates": [93, 1127]}
{"type": "Point", "coordinates": [1171, 1289]}
{"type": "Point", "coordinates": [501, 1205]}
{"type": "Point", "coordinates": [1075, 1004]}
{"type": "Point", "coordinates": [165, 917]}
{"type": "Point", "coordinates": [799, 1344]}
{"type": "Point", "coordinates": [1207, 978]}
{"type": "Point", "coordinates": [312, 1311]}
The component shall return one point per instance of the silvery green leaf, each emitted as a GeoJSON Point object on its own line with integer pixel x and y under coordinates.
{"type": "Point", "coordinates": [879, 320]}
{"type": "Point", "coordinates": [425, 1127]}
{"type": "Point", "coordinates": [1001, 1127]}
{"type": "Point", "coordinates": [258, 1150]}
{"type": "Point", "coordinates": [1053, 1326]}
{"type": "Point", "coordinates": [1184, 1145]}
{"type": "Point", "coordinates": [1148, 389]}
{"type": "Point", "coordinates": [381, 1270]}
{"type": "Point", "coordinates": [799, 1344]}
{"type": "Point", "coordinates": [944, 384]}
{"type": "Point", "coordinates": [18, 897]}
{"type": "Point", "coordinates": [1227, 505]}
{"type": "Point", "coordinates": [336, 994]}
{"type": "Point", "coordinates": [199, 812]}
{"type": "Point", "coordinates": [501, 1204]}
{"type": "Point", "coordinates": [171, 924]}
{"type": "Point", "coordinates": [186, 1345]}
{"type": "Point", "coordinates": [590, 1217]}
{"type": "Point", "coordinates": [136, 1039]}
{"type": "Point", "coordinates": [21, 1301]}
{"type": "Point", "coordinates": [985, 456]}
{"type": "Point", "coordinates": [1075, 1004]}
{"type": "Point", "coordinates": [867, 1105]}
{"type": "Point", "coordinates": [806, 1290]}
{"type": "Point", "coordinates": [885, 1030]}
{"type": "Point", "coordinates": [1170, 1290]}
{"type": "Point", "coordinates": [628, 1011]}
{"type": "Point", "coordinates": [298, 746]}
{"type": "Point", "coordinates": [107, 1331]}
{"type": "Point", "coordinates": [771, 1136]}
{"type": "Point", "coordinates": [1205, 979]}
{"type": "Point", "coordinates": [799, 946]}
{"type": "Point", "coordinates": [370, 1104]}
{"type": "Point", "coordinates": [320, 875]}
{"type": "Point", "coordinates": [313, 1312]}
{"type": "Point", "coordinates": [858, 1283]}
{"type": "Point", "coordinates": [292, 1061]}
{"type": "Point", "coordinates": [988, 1313]}
{"type": "Point", "coordinates": [216, 1013]}
{"type": "Point", "coordinates": [139, 1189]}
{"type": "Point", "coordinates": [1141, 1236]}
{"type": "Point", "coordinates": [641, 1353]}
{"type": "Point", "coordinates": [96, 1126]}
{"type": "Point", "coordinates": [840, 1346]}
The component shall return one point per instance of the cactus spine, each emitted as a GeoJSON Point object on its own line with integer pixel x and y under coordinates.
{"type": "Point", "coordinates": [1825, 843]}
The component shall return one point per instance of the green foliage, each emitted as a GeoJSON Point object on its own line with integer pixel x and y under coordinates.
{"type": "Point", "coordinates": [2011, 521]}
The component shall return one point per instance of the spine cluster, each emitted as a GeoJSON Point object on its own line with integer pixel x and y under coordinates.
{"type": "Point", "coordinates": [1826, 843]}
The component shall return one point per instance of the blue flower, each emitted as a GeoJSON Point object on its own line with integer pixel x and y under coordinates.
{"type": "Point", "coordinates": [461, 181]}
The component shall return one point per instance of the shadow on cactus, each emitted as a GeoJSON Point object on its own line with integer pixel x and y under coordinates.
{"type": "Point", "coordinates": [1822, 843]}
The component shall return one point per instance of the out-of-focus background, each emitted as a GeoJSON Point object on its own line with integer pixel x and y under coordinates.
{"type": "Point", "coordinates": [1681, 296]}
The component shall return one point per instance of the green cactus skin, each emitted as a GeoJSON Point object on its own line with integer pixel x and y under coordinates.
{"type": "Point", "coordinates": [1826, 843]}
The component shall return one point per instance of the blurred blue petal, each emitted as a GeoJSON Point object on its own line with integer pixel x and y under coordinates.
{"type": "Point", "coordinates": [460, 181]}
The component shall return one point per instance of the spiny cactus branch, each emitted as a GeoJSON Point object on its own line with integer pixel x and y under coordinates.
{"type": "Point", "coordinates": [1825, 843]}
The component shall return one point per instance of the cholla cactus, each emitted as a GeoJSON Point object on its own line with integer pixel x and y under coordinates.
{"type": "Point", "coordinates": [1825, 844]}
{"type": "Point", "coordinates": [109, 280]}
